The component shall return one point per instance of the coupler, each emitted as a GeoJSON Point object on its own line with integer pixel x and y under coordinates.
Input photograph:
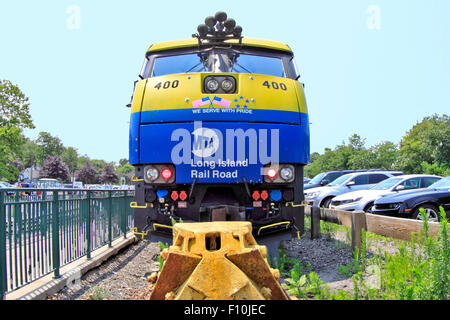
{"type": "Point", "coordinates": [216, 261]}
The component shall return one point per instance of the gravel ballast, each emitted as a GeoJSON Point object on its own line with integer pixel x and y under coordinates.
{"type": "Point", "coordinates": [124, 276]}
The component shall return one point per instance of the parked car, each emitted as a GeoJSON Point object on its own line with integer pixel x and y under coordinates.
{"type": "Point", "coordinates": [324, 178]}
{"type": "Point", "coordinates": [322, 196]}
{"type": "Point", "coordinates": [48, 183]}
{"type": "Point", "coordinates": [407, 204]}
{"type": "Point", "coordinates": [27, 185]}
{"type": "Point", "coordinates": [306, 180]}
{"type": "Point", "coordinates": [364, 199]}
{"type": "Point", "coordinates": [6, 185]}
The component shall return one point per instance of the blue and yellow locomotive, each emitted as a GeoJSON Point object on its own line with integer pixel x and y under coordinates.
{"type": "Point", "coordinates": [219, 131]}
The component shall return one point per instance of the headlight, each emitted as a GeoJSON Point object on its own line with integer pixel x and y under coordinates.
{"type": "Point", "coordinates": [286, 173]}
{"type": "Point", "coordinates": [312, 194]}
{"type": "Point", "coordinates": [212, 85]}
{"type": "Point", "coordinates": [273, 173]}
{"type": "Point", "coordinates": [227, 85]}
{"type": "Point", "coordinates": [395, 205]}
{"type": "Point", "coordinates": [159, 174]}
{"type": "Point", "coordinates": [152, 174]}
{"type": "Point", "coordinates": [351, 200]}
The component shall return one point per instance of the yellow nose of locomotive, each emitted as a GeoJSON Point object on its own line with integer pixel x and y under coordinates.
{"type": "Point", "coordinates": [216, 261]}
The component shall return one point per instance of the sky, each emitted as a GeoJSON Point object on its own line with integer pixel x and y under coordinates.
{"type": "Point", "coordinates": [370, 67]}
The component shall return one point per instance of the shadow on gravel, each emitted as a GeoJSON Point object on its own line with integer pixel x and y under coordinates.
{"type": "Point", "coordinates": [76, 294]}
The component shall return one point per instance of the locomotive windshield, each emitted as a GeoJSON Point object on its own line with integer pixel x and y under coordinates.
{"type": "Point", "coordinates": [216, 61]}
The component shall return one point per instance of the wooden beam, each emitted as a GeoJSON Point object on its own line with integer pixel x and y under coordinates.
{"type": "Point", "coordinates": [398, 228]}
{"type": "Point", "coordinates": [393, 227]}
{"type": "Point", "coordinates": [337, 216]}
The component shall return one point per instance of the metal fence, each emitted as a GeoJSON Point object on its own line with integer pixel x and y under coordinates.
{"type": "Point", "coordinates": [42, 230]}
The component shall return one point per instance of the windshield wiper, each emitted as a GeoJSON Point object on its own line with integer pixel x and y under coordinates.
{"type": "Point", "coordinates": [240, 67]}
{"type": "Point", "coordinates": [195, 67]}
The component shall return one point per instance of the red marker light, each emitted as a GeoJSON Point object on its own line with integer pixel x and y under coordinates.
{"type": "Point", "coordinates": [264, 195]}
{"type": "Point", "coordinates": [183, 195]}
{"type": "Point", "coordinates": [256, 195]}
{"type": "Point", "coordinates": [174, 195]}
{"type": "Point", "coordinates": [166, 174]}
{"type": "Point", "coordinates": [272, 173]}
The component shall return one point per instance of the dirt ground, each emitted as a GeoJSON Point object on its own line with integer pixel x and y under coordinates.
{"type": "Point", "coordinates": [124, 276]}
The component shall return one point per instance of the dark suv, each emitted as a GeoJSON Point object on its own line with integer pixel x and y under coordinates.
{"type": "Point", "coordinates": [324, 178]}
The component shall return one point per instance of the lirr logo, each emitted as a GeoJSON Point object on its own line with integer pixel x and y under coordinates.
{"type": "Point", "coordinates": [250, 146]}
{"type": "Point", "coordinates": [206, 142]}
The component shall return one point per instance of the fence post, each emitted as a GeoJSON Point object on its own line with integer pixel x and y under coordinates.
{"type": "Point", "coordinates": [3, 283]}
{"type": "Point", "coordinates": [123, 215]}
{"type": "Point", "coordinates": [88, 226]}
{"type": "Point", "coordinates": [110, 218]}
{"type": "Point", "coordinates": [55, 234]}
{"type": "Point", "coordinates": [358, 223]}
{"type": "Point", "coordinates": [315, 223]}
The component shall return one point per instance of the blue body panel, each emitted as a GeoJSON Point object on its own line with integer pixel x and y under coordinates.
{"type": "Point", "coordinates": [153, 139]}
{"type": "Point", "coordinates": [220, 114]}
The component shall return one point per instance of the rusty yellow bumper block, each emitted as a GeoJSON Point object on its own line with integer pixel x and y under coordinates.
{"type": "Point", "coordinates": [216, 261]}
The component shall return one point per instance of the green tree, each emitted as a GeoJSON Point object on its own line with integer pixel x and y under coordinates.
{"type": "Point", "coordinates": [48, 146]}
{"type": "Point", "coordinates": [99, 165]}
{"type": "Point", "coordinates": [126, 169]}
{"type": "Point", "coordinates": [30, 151]}
{"type": "Point", "coordinates": [427, 142]}
{"type": "Point", "coordinates": [385, 155]}
{"type": "Point", "coordinates": [14, 107]}
{"type": "Point", "coordinates": [123, 162]}
{"type": "Point", "coordinates": [354, 155]}
{"type": "Point", "coordinates": [14, 117]}
{"type": "Point", "coordinates": [70, 158]}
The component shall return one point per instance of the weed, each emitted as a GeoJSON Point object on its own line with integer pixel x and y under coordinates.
{"type": "Point", "coordinates": [296, 283]}
{"type": "Point", "coordinates": [419, 271]}
{"type": "Point", "coordinates": [285, 263]}
{"type": "Point", "coordinates": [174, 222]}
{"type": "Point", "coordinates": [98, 293]}
{"type": "Point", "coordinates": [328, 229]}
{"type": "Point", "coordinates": [345, 270]}
{"type": "Point", "coordinates": [162, 246]}
{"type": "Point", "coordinates": [307, 223]}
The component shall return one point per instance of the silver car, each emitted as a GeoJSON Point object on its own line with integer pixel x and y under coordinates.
{"type": "Point", "coordinates": [322, 196]}
{"type": "Point", "coordinates": [364, 199]}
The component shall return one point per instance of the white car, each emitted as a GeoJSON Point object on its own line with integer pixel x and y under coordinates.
{"type": "Point", "coordinates": [321, 196]}
{"type": "Point", "coordinates": [364, 199]}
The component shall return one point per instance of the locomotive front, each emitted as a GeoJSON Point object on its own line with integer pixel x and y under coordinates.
{"type": "Point", "coordinates": [219, 131]}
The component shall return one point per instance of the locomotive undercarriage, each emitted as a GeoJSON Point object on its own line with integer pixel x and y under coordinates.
{"type": "Point", "coordinates": [273, 220]}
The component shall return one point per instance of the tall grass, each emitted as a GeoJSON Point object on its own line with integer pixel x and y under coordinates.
{"type": "Point", "coordinates": [419, 271]}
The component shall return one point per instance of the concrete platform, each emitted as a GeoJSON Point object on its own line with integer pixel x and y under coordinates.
{"type": "Point", "coordinates": [41, 288]}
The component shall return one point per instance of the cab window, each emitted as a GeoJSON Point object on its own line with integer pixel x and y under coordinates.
{"type": "Point", "coordinates": [218, 60]}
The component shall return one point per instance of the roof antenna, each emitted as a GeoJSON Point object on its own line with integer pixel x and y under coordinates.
{"type": "Point", "coordinates": [217, 29]}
